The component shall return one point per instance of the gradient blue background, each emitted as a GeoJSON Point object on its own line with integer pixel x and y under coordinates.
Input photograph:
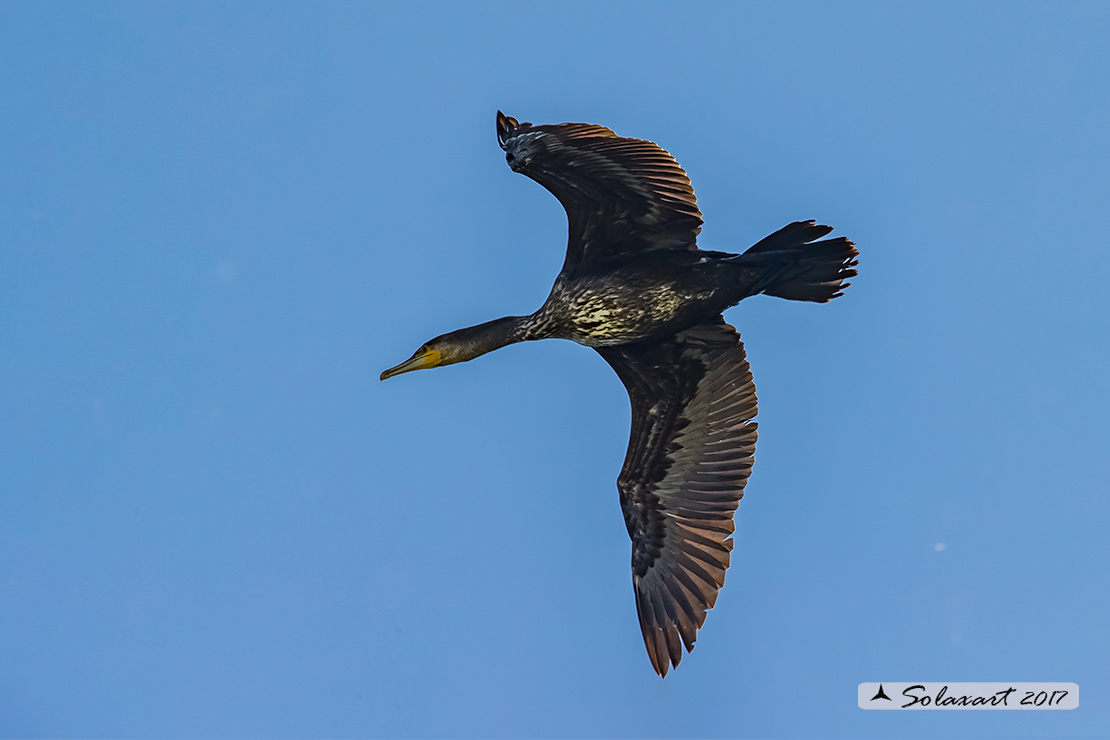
{"type": "Point", "coordinates": [220, 222]}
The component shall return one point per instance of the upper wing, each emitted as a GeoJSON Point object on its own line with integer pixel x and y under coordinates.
{"type": "Point", "coordinates": [689, 457]}
{"type": "Point", "coordinates": [621, 195]}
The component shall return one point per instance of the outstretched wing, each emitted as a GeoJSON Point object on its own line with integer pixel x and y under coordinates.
{"type": "Point", "coordinates": [620, 195]}
{"type": "Point", "coordinates": [689, 457]}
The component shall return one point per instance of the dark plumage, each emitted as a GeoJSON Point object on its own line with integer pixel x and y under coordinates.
{"type": "Point", "coordinates": [636, 288]}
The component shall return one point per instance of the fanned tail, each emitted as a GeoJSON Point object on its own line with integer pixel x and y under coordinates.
{"type": "Point", "coordinates": [803, 269]}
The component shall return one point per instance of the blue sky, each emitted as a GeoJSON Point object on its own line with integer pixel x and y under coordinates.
{"type": "Point", "coordinates": [220, 222]}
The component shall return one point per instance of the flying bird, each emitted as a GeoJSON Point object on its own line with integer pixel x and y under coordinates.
{"type": "Point", "coordinates": [636, 288]}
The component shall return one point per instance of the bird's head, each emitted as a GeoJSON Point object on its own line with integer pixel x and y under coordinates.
{"type": "Point", "coordinates": [433, 353]}
{"type": "Point", "coordinates": [462, 345]}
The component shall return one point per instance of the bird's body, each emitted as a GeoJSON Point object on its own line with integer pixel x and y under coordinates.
{"type": "Point", "coordinates": [629, 300]}
{"type": "Point", "coordinates": [637, 289]}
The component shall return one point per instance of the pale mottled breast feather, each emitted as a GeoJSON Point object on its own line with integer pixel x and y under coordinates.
{"type": "Point", "coordinates": [689, 458]}
{"type": "Point", "coordinates": [621, 195]}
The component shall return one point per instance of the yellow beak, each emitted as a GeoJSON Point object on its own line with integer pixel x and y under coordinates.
{"type": "Point", "coordinates": [419, 361]}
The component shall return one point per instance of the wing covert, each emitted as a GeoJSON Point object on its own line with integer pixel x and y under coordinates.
{"type": "Point", "coordinates": [689, 457]}
{"type": "Point", "coordinates": [620, 194]}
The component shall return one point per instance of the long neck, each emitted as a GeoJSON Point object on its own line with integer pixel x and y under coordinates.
{"type": "Point", "coordinates": [483, 338]}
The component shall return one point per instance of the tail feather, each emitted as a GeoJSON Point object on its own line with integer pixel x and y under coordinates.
{"type": "Point", "coordinates": [804, 269]}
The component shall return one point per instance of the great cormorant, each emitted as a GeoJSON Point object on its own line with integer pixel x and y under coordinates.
{"type": "Point", "coordinates": [637, 289]}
